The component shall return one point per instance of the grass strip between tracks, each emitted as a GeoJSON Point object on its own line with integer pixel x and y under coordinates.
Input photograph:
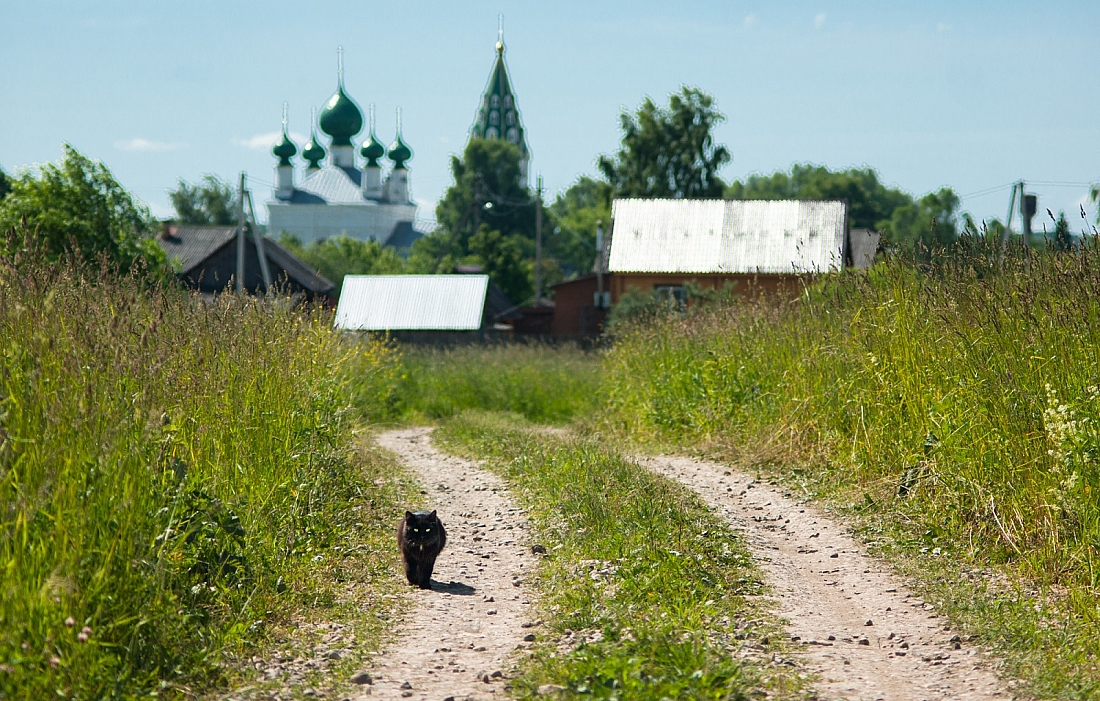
{"type": "Point", "coordinates": [646, 593]}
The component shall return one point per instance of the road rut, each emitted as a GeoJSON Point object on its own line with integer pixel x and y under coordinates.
{"type": "Point", "coordinates": [456, 640]}
{"type": "Point", "coordinates": [861, 631]}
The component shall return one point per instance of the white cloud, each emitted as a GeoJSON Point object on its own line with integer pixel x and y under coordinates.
{"type": "Point", "coordinates": [943, 27]}
{"type": "Point", "coordinates": [750, 20]}
{"type": "Point", "coordinates": [147, 146]}
{"type": "Point", "coordinates": [263, 142]}
{"type": "Point", "coordinates": [819, 20]}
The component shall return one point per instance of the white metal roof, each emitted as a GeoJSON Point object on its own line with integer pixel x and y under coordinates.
{"type": "Point", "coordinates": [727, 236]}
{"type": "Point", "coordinates": [412, 302]}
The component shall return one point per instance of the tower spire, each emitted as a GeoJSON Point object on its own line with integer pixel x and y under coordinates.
{"type": "Point", "coordinates": [498, 115]}
{"type": "Point", "coordinates": [340, 65]}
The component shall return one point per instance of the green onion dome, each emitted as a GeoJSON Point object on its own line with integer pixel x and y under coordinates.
{"type": "Point", "coordinates": [284, 150]}
{"type": "Point", "coordinates": [341, 118]}
{"type": "Point", "coordinates": [313, 151]}
{"type": "Point", "coordinates": [399, 152]}
{"type": "Point", "coordinates": [372, 150]}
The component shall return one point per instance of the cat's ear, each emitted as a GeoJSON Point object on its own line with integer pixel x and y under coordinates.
{"type": "Point", "coordinates": [432, 515]}
{"type": "Point", "coordinates": [408, 514]}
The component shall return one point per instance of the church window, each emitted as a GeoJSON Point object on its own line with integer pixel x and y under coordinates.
{"type": "Point", "coordinates": [510, 118]}
{"type": "Point", "coordinates": [494, 117]}
{"type": "Point", "coordinates": [507, 102]}
{"type": "Point", "coordinates": [495, 100]}
{"type": "Point", "coordinates": [491, 133]}
{"type": "Point", "coordinates": [513, 135]}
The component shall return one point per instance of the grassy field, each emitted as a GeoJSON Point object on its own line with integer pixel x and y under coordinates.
{"type": "Point", "coordinates": [549, 384]}
{"type": "Point", "coordinates": [176, 479]}
{"type": "Point", "coordinates": [952, 411]}
{"type": "Point", "coordinates": [646, 595]}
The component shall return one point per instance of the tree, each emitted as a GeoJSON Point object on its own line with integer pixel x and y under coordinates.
{"type": "Point", "coordinates": [1062, 240]}
{"type": "Point", "coordinates": [669, 152]}
{"type": "Point", "coordinates": [906, 224]}
{"type": "Point", "coordinates": [869, 201]}
{"type": "Point", "coordinates": [925, 224]}
{"type": "Point", "coordinates": [502, 260]}
{"type": "Point", "coordinates": [487, 188]}
{"type": "Point", "coordinates": [76, 206]}
{"type": "Point", "coordinates": [336, 257]}
{"type": "Point", "coordinates": [5, 184]}
{"type": "Point", "coordinates": [573, 217]}
{"type": "Point", "coordinates": [210, 202]}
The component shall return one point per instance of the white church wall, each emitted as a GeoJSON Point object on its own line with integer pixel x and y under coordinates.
{"type": "Point", "coordinates": [310, 222]}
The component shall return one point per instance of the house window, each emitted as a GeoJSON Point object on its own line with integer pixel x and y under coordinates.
{"type": "Point", "coordinates": [673, 295]}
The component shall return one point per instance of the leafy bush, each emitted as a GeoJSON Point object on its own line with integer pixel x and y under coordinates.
{"type": "Point", "coordinates": [77, 207]}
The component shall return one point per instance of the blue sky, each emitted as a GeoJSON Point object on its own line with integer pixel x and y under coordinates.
{"type": "Point", "coordinates": [972, 95]}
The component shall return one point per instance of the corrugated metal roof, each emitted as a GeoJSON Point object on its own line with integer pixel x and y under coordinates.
{"type": "Point", "coordinates": [727, 236]}
{"type": "Point", "coordinates": [332, 185]}
{"type": "Point", "coordinates": [412, 302]}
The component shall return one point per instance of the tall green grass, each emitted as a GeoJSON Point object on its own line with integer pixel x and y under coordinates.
{"type": "Point", "coordinates": [646, 593]}
{"type": "Point", "coordinates": [168, 467]}
{"type": "Point", "coordinates": [543, 383]}
{"type": "Point", "coordinates": [957, 407]}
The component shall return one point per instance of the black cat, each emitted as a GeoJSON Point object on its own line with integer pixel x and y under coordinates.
{"type": "Point", "coordinates": [420, 538]}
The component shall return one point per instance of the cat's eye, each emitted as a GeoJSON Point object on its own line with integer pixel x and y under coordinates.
{"type": "Point", "coordinates": [427, 530]}
{"type": "Point", "coordinates": [416, 530]}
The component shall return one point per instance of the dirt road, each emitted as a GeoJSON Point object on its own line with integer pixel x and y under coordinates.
{"type": "Point", "coordinates": [861, 631]}
{"type": "Point", "coordinates": [455, 642]}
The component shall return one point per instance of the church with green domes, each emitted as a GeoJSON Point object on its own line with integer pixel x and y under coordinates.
{"type": "Point", "coordinates": [335, 195]}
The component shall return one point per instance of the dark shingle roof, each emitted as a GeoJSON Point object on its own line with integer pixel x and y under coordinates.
{"type": "Point", "coordinates": [190, 245]}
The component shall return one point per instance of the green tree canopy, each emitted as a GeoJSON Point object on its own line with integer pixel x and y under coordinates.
{"type": "Point", "coordinates": [669, 152]}
{"type": "Point", "coordinates": [502, 260]}
{"type": "Point", "coordinates": [5, 184]}
{"type": "Point", "coordinates": [927, 223]}
{"type": "Point", "coordinates": [869, 201]}
{"type": "Point", "coordinates": [487, 189]}
{"type": "Point", "coordinates": [212, 201]}
{"type": "Point", "coordinates": [573, 217]}
{"type": "Point", "coordinates": [336, 257]}
{"type": "Point", "coordinates": [907, 224]}
{"type": "Point", "coordinates": [77, 206]}
{"type": "Point", "coordinates": [1061, 239]}
{"type": "Point", "coordinates": [486, 217]}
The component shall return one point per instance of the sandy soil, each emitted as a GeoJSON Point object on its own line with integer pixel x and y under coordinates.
{"type": "Point", "coordinates": [861, 631]}
{"type": "Point", "coordinates": [456, 641]}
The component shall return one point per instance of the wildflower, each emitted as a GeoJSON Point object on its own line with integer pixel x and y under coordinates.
{"type": "Point", "coordinates": [69, 622]}
{"type": "Point", "coordinates": [84, 634]}
{"type": "Point", "coordinates": [55, 661]}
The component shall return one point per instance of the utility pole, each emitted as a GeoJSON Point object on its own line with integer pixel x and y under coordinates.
{"type": "Point", "coordinates": [599, 264]}
{"type": "Point", "coordinates": [538, 242]}
{"type": "Point", "coordinates": [240, 235]}
{"type": "Point", "coordinates": [1028, 205]}
{"type": "Point", "coordinates": [258, 240]}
